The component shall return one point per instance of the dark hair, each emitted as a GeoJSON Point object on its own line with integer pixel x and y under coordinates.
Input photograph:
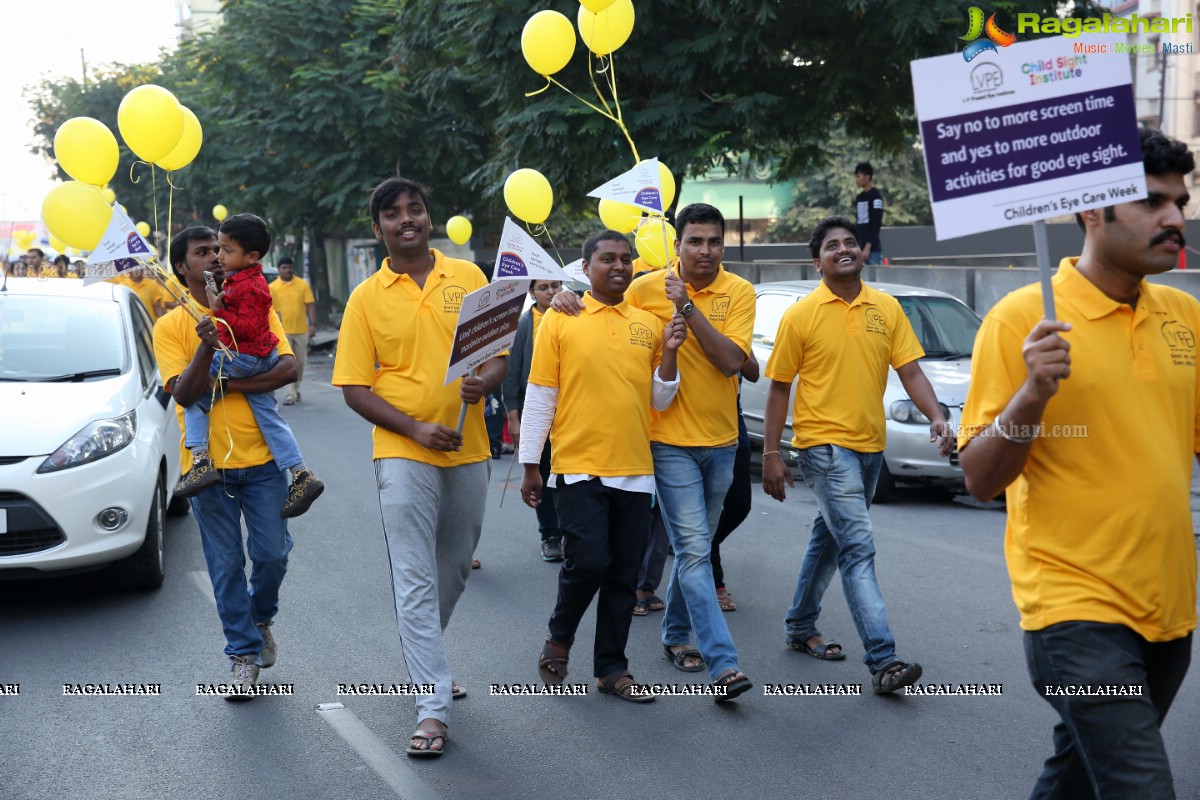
{"type": "Point", "coordinates": [699, 213]}
{"type": "Point", "coordinates": [285, 260]}
{"type": "Point", "coordinates": [249, 231]}
{"type": "Point", "coordinates": [385, 193]}
{"type": "Point", "coordinates": [865, 168]}
{"type": "Point", "coordinates": [606, 235]}
{"type": "Point", "coordinates": [1161, 155]}
{"type": "Point", "coordinates": [180, 243]}
{"type": "Point", "coordinates": [62, 259]}
{"type": "Point", "coordinates": [534, 283]}
{"type": "Point", "coordinates": [37, 250]}
{"type": "Point", "coordinates": [824, 227]}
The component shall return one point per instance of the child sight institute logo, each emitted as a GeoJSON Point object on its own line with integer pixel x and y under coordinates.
{"type": "Point", "coordinates": [976, 28]}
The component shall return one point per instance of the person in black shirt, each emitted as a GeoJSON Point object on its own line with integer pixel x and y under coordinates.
{"type": "Point", "coordinates": [868, 208]}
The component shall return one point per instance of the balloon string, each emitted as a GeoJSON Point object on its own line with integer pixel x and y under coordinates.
{"type": "Point", "coordinates": [541, 229]}
{"type": "Point", "coordinates": [154, 195]}
{"type": "Point", "coordinates": [133, 168]}
{"type": "Point", "coordinates": [592, 106]}
{"type": "Point", "coordinates": [539, 91]}
{"type": "Point", "coordinates": [596, 89]}
{"type": "Point", "coordinates": [612, 83]}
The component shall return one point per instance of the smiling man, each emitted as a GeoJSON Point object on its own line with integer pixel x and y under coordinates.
{"type": "Point", "coordinates": [394, 346]}
{"type": "Point", "coordinates": [840, 340]}
{"type": "Point", "coordinates": [1090, 423]}
{"type": "Point", "coordinates": [604, 483]}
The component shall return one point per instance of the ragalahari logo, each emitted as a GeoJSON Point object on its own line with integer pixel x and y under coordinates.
{"type": "Point", "coordinates": [977, 28]}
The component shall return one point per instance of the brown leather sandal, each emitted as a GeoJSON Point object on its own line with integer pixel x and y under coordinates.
{"type": "Point", "coordinates": [622, 685]}
{"type": "Point", "coordinates": [552, 662]}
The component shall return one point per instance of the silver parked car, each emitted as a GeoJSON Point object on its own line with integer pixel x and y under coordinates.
{"type": "Point", "coordinates": [946, 328]}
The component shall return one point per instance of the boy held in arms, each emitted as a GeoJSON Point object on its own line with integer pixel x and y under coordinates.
{"type": "Point", "coordinates": [243, 308]}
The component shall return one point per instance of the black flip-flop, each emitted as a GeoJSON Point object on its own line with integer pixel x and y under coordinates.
{"type": "Point", "coordinates": [733, 686]}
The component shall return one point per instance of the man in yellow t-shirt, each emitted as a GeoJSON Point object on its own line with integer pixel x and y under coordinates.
{"type": "Point", "coordinates": [293, 301]}
{"type": "Point", "coordinates": [602, 484]}
{"type": "Point", "coordinates": [1090, 422]}
{"type": "Point", "coordinates": [393, 349]}
{"type": "Point", "coordinates": [251, 486]}
{"type": "Point", "coordinates": [695, 440]}
{"type": "Point", "coordinates": [152, 293]}
{"type": "Point", "coordinates": [840, 340]}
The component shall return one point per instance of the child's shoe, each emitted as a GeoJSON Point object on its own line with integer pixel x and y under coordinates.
{"type": "Point", "coordinates": [306, 488]}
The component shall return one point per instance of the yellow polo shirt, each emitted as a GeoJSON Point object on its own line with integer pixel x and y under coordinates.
{"type": "Point", "coordinates": [704, 413]}
{"type": "Point", "coordinates": [231, 420]}
{"type": "Point", "coordinates": [841, 352]}
{"type": "Point", "coordinates": [149, 290]}
{"type": "Point", "coordinates": [408, 332]}
{"type": "Point", "coordinates": [1099, 521]}
{"type": "Point", "coordinates": [291, 299]}
{"type": "Point", "coordinates": [602, 363]}
{"type": "Point", "coordinates": [536, 321]}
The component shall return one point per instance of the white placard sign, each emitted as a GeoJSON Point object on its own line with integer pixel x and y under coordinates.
{"type": "Point", "coordinates": [1033, 130]}
{"type": "Point", "coordinates": [521, 258]}
{"type": "Point", "coordinates": [636, 187]}
{"type": "Point", "coordinates": [487, 326]}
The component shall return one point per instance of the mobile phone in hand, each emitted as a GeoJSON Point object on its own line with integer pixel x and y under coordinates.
{"type": "Point", "coordinates": [211, 283]}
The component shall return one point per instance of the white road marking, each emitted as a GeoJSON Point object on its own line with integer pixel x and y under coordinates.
{"type": "Point", "coordinates": [391, 768]}
{"type": "Point", "coordinates": [203, 583]}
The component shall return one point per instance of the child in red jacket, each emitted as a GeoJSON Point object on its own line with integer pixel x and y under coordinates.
{"type": "Point", "coordinates": [243, 312]}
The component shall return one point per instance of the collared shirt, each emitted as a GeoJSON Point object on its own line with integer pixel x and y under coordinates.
{"type": "Point", "coordinates": [704, 413]}
{"type": "Point", "coordinates": [601, 363]}
{"type": "Point", "coordinates": [841, 352]}
{"type": "Point", "coordinates": [396, 338]}
{"type": "Point", "coordinates": [1099, 520]}
{"type": "Point", "coordinates": [291, 299]}
{"type": "Point", "coordinates": [235, 440]}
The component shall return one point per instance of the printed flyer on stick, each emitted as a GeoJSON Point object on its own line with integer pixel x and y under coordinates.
{"type": "Point", "coordinates": [1034, 130]}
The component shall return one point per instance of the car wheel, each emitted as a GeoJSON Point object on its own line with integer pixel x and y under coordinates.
{"type": "Point", "coordinates": [884, 486]}
{"type": "Point", "coordinates": [144, 569]}
{"type": "Point", "coordinates": [178, 507]}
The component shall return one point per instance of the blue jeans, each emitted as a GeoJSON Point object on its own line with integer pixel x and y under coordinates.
{"type": "Point", "coordinates": [275, 430]}
{"type": "Point", "coordinates": [692, 483]}
{"type": "Point", "coordinates": [844, 482]}
{"type": "Point", "coordinates": [876, 258]}
{"type": "Point", "coordinates": [1106, 746]}
{"type": "Point", "coordinates": [256, 493]}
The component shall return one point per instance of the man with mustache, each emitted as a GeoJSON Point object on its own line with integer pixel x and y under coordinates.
{"type": "Point", "coordinates": [1090, 423]}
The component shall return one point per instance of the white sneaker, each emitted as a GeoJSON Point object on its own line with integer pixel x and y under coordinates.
{"type": "Point", "coordinates": [245, 677]}
{"type": "Point", "coordinates": [266, 658]}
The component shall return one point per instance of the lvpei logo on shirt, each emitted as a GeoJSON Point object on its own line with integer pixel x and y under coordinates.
{"type": "Point", "coordinates": [1182, 342]}
{"type": "Point", "coordinates": [453, 296]}
{"type": "Point", "coordinates": [876, 322]}
{"type": "Point", "coordinates": [719, 308]}
{"type": "Point", "coordinates": [977, 28]}
{"type": "Point", "coordinates": [641, 336]}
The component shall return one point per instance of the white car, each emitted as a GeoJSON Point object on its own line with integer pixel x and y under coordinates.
{"type": "Point", "coordinates": [946, 328]}
{"type": "Point", "coordinates": [89, 442]}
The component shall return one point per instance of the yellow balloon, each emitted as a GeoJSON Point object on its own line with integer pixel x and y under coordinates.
{"type": "Point", "coordinates": [143, 228]}
{"type": "Point", "coordinates": [151, 122]}
{"type": "Point", "coordinates": [76, 213]}
{"type": "Point", "coordinates": [458, 228]}
{"type": "Point", "coordinates": [57, 244]}
{"type": "Point", "coordinates": [87, 150]}
{"type": "Point", "coordinates": [220, 212]}
{"type": "Point", "coordinates": [605, 32]}
{"type": "Point", "coordinates": [656, 242]}
{"type": "Point", "coordinates": [666, 182]}
{"type": "Point", "coordinates": [596, 6]}
{"type": "Point", "coordinates": [110, 196]}
{"type": "Point", "coordinates": [189, 143]}
{"type": "Point", "coordinates": [547, 42]}
{"type": "Point", "coordinates": [529, 196]}
{"type": "Point", "coordinates": [620, 217]}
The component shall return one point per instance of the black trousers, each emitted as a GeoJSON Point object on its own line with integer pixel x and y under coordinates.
{"type": "Point", "coordinates": [547, 514]}
{"type": "Point", "coordinates": [604, 537]}
{"type": "Point", "coordinates": [1106, 746]}
{"type": "Point", "coordinates": [733, 512]}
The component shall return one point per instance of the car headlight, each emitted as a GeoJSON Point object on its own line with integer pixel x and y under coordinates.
{"type": "Point", "coordinates": [907, 411]}
{"type": "Point", "coordinates": [96, 440]}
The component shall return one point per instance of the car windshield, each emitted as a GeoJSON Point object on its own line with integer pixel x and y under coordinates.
{"type": "Point", "coordinates": [946, 328]}
{"type": "Point", "coordinates": [46, 338]}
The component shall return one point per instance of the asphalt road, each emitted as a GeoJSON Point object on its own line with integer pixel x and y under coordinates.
{"type": "Point", "coordinates": [940, 564]}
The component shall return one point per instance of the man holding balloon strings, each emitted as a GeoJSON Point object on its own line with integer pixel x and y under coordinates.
{"type": "Point", "coordinates": [694, 441]}
{"type": "Point", "coordinates": [395, 342]}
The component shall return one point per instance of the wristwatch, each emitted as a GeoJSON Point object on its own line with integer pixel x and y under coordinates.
{"type": "Point", "coordinates": [688, 309]}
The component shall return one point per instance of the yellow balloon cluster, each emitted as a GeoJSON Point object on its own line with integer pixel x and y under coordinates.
{"type": "Point", "coordinates": [87, 150]}
{"type": "Point", "coordinates": [188, 146]}
{"type": "Point", "coordinates": [529, 196]}
{"type": "Point", "coordinates": [77, 214]}
{"type": "Point", "coordinates": [458, 228]}
{"type": "Point", "coordinates": [151, 122]}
